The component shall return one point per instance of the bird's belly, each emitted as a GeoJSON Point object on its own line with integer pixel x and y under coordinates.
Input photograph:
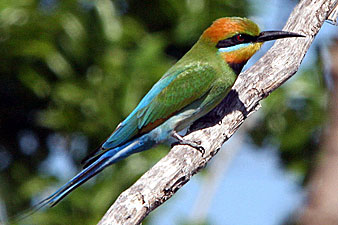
{"type": "Point", "coordinates": [177, 122]}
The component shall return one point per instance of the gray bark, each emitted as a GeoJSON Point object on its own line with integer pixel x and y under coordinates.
{"type": "Point", "coordinates": [271, 71]}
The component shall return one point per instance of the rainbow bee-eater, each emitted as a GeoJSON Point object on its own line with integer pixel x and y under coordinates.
{"type": "Point", "coordinates": [187, 91]}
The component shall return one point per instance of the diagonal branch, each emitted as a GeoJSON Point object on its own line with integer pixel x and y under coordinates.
{"type": "Point", "coordinates": [271, 71]}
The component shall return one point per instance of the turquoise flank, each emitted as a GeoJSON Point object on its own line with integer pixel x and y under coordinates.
{"type": "Point", "coordinates": [234, 48]}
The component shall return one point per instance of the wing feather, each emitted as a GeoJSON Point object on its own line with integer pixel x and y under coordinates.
{"type": "Point", "coordinates": [174, 91]}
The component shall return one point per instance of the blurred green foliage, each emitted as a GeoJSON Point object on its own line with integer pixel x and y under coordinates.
{"type": "Point", "coordinates": [77, 68]}
{"type": "Point", "coordinates": [292, 119]}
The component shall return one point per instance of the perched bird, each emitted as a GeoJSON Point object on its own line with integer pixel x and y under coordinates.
{"type": "Point", "coordinates": [187, 91]}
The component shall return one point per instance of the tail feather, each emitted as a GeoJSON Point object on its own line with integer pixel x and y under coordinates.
{"type": "Point", "coordinates": [91, 159]}
{"type": "Point", "coordinates": [79, 179]}
{"type": "Point", "coordinates": [111, 156]}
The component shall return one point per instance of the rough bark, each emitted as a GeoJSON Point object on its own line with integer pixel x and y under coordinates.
{"type": "Point", "coordinates": [322, 206]}
{"type": "Point", "coordinates": [271, 71]}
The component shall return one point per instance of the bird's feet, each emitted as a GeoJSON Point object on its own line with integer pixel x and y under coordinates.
{"type": "Point", "coordinates": [182, 141]}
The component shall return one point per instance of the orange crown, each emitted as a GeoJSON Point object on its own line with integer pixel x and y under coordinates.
{"type": "Point", "coordinates": [228, 26]}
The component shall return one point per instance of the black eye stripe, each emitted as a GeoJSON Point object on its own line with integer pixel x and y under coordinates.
{"type": "Point", "coordinates": [235, 40]}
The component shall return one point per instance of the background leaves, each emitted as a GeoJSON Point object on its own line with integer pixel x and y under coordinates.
{"type": "Point", "coordinates": [70, 71]}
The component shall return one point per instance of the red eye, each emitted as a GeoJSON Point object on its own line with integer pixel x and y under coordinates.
{"type": "Point", "coordinates": [239, 38]}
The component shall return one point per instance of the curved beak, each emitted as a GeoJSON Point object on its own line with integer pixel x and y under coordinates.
{"type": "Point", "coordinates": [273, 35]}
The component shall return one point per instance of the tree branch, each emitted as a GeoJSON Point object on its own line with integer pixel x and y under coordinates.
{"type": "Point", "coordinates": [271, 71]}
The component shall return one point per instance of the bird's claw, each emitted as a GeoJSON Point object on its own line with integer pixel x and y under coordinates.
{"type": "Point", "coordinates": [201, 150]}
{"type": "Point", "coordinates": [192, 144]}
{"type": "Point", "coordinates": [195, 145]}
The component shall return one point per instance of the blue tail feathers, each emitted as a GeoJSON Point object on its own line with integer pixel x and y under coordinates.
{"type": "Point", "coordinates": [137, 145]}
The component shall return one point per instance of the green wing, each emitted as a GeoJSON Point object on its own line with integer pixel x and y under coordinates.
{"type": "Point", "coordinates": [190, 85]}
{"type": "Point", "coordinates": [174, 91]}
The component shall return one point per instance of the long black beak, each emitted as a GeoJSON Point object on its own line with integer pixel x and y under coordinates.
{"type": "Point", "coordinates": [273, 35]}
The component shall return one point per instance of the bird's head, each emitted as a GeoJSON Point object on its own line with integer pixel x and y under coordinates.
{"type": "Point", "coordinates": [237, 39]}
